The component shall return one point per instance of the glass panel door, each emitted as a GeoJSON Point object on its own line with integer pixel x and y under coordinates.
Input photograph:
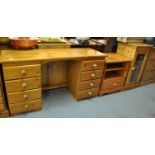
{"type": "Point", "coordinates": [137, 68]}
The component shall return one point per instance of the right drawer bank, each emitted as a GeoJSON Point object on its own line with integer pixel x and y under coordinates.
{"type": "Point", "coordinates": [84, 78]}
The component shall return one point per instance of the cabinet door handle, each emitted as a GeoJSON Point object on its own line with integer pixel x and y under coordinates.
{"type": "Point", "coordinates": [91, 84]}
{"type": "Point", "coordinates": [25, 96]}
{"type": "Point", "coordinates": [90, 93]}
{"type": "Point", "coordinates": [95, 65]}
{"type": "Point", "coordinates": [24, 85]}
{"type": "Point", "coordinates": [133, 68]}
{"type": "Point", "coordinates": [23, 72]}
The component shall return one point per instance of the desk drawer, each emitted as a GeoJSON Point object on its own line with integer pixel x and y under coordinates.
{"type": "Point", "coordinates": [22, 84]}
{"type": "Point", "coordinates": [1, 107]}
{"type": "Point", "coordinates": [112, 84]}
{"type": "Point", "coordinates": [91, 75]}
{"type": "Point", "coordinates": [25, 106]}
{"type": "Point", "coordinates": [24, 96]}
{"type": "Point", "coordinates": [1, 104]}
{"type": "Point", "coordinates": [88, 93]}
{"type": "Point", "coordinates": [90, 84]}
{"type": "Point", "coordinates": [92, 65]}
{"type": "Point", "coordinates": [19, 72]}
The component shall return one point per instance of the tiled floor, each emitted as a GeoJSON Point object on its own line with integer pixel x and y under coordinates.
{"type": "Point", "coordinates": [138, 102]}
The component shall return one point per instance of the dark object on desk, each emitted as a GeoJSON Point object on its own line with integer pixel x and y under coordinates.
{"type": "Point", "coordinates": [4, 40]}
{"type": "Point", "coordinates": [150, 40]}
{"type": "Point", "coordinates": [111, 45]}
{"type": "Point", "coordinates": [99, 48]}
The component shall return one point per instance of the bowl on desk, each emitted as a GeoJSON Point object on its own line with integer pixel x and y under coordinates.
{"type": "Point", "coordinates": [24, 42]}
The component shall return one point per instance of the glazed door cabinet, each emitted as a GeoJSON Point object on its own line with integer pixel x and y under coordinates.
{"type": "Point", "coordinates": [138, 54]}
{"type": "Point", "coordinates": [137, 68]}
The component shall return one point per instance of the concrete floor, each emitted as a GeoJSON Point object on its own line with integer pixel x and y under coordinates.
{"type": "Point", "coordinates": [58, 103]}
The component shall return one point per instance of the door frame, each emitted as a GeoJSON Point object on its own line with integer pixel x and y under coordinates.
{"type": "Point", "coordinates": [133, 65]}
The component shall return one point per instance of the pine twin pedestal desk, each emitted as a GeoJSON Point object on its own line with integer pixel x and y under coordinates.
{"type": "Point", "coordinates": [22, 73]}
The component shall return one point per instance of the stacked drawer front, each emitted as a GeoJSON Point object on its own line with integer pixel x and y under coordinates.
{"type": "Point", "coordinates": [1, 101]}
{"type": "Point", "coordinates": [90, 78]}
{"type": "Point", "coordinates": [23, 87]}
{"type": "Point", "coordinates": [149, 72]}
{"type": "Point", "coordinates": [110, 85]}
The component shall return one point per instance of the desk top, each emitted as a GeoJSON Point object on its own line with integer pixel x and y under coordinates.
{"type": "Point", "coordinates": [114, 58]}
{"type": "Point", "coordinates": [11, 56]}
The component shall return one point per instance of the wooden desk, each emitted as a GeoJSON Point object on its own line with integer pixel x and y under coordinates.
{"type": "Point", "coordinates": [22, 74]}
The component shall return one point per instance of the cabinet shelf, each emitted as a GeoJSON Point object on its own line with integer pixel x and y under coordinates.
{"type": "Point", "coordinates": [115, 69]}
{"type": "Point", "coordinates": [113, 75]}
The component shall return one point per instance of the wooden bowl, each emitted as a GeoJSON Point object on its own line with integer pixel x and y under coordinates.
{"type": "Point", "coordinates": [24, 43]}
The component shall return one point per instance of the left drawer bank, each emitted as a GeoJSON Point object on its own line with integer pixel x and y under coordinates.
{"type": "Point", "coordinates": [23, 87]}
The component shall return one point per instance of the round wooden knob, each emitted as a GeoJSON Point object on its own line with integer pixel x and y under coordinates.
{"type": "Point", "coordinates": [24, 85]}
{"type": "Point", "coordinates": [92, 75]}
{"type": "Point", "coordinates": [26, 106]}
{"type": "Point", "coordinates": [114, 84]}
{"type": "Point", "coordinates": [23, 72]}
{"type": "Point", "coordinates": [95, 65]}
{"type": "Point", "coordinates": [89, 93]}
{"type": "Point", "coordinates": [133, 68]}
{"type": "Point", "coordinates": [91, 84]}
{"type": "Point", "coordinates": [25, 96]}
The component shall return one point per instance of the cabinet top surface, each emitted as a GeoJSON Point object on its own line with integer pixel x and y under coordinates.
{"type": "Point", "coordinates": [8, 56]}
{"type": "Point", "coordinates": [112, 58]}
{"type": "Point", "coordinates": [137, 44]}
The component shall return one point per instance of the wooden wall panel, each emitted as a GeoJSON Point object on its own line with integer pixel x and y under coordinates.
{"type": "Point", "coordinates": [54, 74]}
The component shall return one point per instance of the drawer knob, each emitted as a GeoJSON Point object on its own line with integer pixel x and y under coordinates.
{"type": "Point", "coordinates": [89, 93]}
{"type": "Point", "coordinates": [95, 65]}
{"type": "Point", "coordinates": [114, 84]}
{"type": "Point", "coordinates": [92, 75]}
{"type": "Point", "coordinates": [26, 106]}
{"type": "Point", "coordinates": [91, 84]}
{"type": "Point", "coordinates": [23, 72]}
{"type": "Point", "coordinates": [25, 96]}
{"type": "Point", "coordinates": [24, 85]}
